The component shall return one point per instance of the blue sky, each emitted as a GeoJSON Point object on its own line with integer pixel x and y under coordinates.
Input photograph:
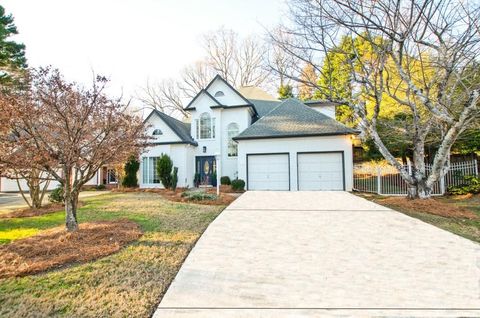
{"type": "Point", "coordinates": [130, 40]}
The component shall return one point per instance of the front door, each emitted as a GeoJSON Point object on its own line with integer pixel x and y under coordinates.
{"type": "Point", "coordinates": [205, 167]}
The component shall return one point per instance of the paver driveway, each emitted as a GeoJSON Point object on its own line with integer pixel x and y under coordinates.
{"type": "Point", "coordinates": [322, 254]}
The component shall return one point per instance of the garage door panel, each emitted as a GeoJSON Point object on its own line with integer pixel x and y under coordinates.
{"type": "Point", "coordinates": [320, 171]}
{"type": "Point", "coordinates": [268, 172]}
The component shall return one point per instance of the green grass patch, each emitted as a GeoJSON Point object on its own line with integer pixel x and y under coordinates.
{"type": "Point", "coordinates": [129, 283]}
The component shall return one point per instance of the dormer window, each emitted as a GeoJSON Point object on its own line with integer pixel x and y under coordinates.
{"type": "Point", "coordinates": [157, 132]}
{"type": "Point", "coordinates": [219, 94]}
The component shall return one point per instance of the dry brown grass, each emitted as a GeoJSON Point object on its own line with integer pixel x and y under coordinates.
{"type": "Point", "coordinates": [55, 247]}
{"type": "Point", "coordinates": [431, 206]}
{"type": "Point", "coordinates": [129, 283]}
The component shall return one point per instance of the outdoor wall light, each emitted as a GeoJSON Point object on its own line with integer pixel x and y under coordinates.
{"type": "Point", "coordinates": [204, 149]}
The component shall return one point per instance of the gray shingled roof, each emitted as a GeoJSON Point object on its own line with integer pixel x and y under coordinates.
{"type": "Point", "coordinates": [179, 127]}
{"type": "Point", "coordinates": [263, 107]}
{"type": "Point", "coordinates": [292, 118]}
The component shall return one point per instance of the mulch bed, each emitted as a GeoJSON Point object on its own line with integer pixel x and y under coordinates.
{"type": "Point", "coordinates": [55, 247]}
{"type": "Point", "coordinates": [225, 198]}
{"type": "Point", "coordinates": [431, 206]}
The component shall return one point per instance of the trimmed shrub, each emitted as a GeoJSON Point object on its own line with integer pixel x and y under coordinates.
{"type": "Point", "coordinates": [131, 168]}
{"type": "Point", "coordinates": [198, 196]}
{"type": "Point", "coordinates": [225, 180]}
{"type": "Point", "coordinates": [174, 178]}
{"type": "Point", "coordinates": [472, 185]}
{"type": "Point", "coordinates": [164, 170]}
{"type": "Point", "coordinates": [238, 185]}
{"type": "Point", "coordinates": [56, 196]}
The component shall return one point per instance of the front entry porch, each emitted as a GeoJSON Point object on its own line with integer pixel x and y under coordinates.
{"type": "Point", "coordinates": [205, 170]}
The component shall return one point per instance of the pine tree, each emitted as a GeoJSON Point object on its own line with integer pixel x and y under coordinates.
{"type": "Point", "coordinates": [12, 54]}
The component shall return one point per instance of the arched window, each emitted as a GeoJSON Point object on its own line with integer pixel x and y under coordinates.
{"type": "Point", "coordinates": [206, 127]}
{"type": "Point", "coordinates": [232, 131]}
{"type": "Point", "coordinates": [157, 132]}
{"type": "Point", "coordinates": [219, 94]}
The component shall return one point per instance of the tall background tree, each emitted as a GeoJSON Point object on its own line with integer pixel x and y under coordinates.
{"type": "Point", "coordinates": [12, 54]}
{"type": "Point", "coordinates": [68, 131]}
{"type": "Point", "coordinates": [13, 64]}
{"type": "Point", "coordinates": [242, 61]}
{"type": "Point", "coordinates": [419, 55]}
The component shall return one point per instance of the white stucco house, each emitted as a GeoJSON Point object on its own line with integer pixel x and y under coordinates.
{"type": "Point", "coordinates": [270, 144]}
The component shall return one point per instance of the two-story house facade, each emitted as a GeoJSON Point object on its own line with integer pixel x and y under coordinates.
{"type": "Point", "coordinates": [271, 144]}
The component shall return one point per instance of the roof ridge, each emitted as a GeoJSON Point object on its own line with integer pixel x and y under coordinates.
{"type": "Point", "coordinates": [263, 117]}
{"type": "Point", "coordinates": [293, 118]}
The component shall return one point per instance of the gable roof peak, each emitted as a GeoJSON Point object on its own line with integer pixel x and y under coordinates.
{"type": "Point", "coordinates": [202, 92]}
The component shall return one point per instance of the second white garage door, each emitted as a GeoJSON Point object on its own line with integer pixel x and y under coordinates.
{"type": "Point", "coordinates": [268, 172]}
{"type": "Point", "coordinates": [320, 171]}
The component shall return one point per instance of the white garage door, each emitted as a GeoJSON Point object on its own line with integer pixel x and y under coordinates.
{"type": "Point", "coordinates": [268, 172]}
{"type": "Point", "coordinates": [320, 171]}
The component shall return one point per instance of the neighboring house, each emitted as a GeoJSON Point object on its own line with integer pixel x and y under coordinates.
{"type": "Point", "coordinates": [105, 176]}
{"type": "Point", "coordinates": [271, 144]}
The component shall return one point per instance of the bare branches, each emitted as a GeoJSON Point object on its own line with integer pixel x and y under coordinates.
{"type": "Point", "coordinates": [422, 55]}
{"type": "Point", "coordinates": [67, 131]}
{"type": "Point", "coordinates": [240, 61]}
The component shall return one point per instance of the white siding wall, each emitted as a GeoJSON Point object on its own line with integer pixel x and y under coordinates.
{"type": "Point", "coordinates": [95, 180]}
{"type": "Point", "coordinates": [294, 145]}
{"type": "Point", "coordinates": [230, 98]}
{"type": "Point", "coordinates": [240, 116]}
{"type": "Point", "coordinates": [223, 117]}
{"type": "Point", "coordinates": [156, 122]}
{"type": "Point", "coordinates": [181, 155]}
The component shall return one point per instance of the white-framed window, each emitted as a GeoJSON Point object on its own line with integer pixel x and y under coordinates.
{"type": "Point", "coordinates": [205, 126]}
{"type": "Point", "coordinates": [157, 132]}
{"type": "Point", "coordinates": [149, 170]}
{"type": "Point", "coordinates": [232, 131]}
{"type": "Point", "coordinates": [111, 176]}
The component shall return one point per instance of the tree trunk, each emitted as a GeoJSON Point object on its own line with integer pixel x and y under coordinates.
{"type": "Point", "coordinates": [420, 190]}
{"type": "Point", "coordinates": [71, 202]}
{"type": "Point", "coordinates": [35, 196]}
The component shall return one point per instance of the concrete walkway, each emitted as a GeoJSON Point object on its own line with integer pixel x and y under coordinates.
{"type": "Point", "coordinates": [324, 254]}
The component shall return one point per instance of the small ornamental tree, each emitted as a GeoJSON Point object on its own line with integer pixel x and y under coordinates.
{"type": "Point", "coordinates": [130, 179]}
{"type": "Point", "coordinates": [164, 170]}
{"type": "Point", "coordinates": [67, 131]}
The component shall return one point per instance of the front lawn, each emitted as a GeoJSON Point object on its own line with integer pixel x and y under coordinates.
{"type": "Point", "coordinates": [456, 214]}
{"type": "Point", "coordinates": [129, 283]}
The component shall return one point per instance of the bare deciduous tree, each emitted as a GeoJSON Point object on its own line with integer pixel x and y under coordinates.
{"type": "Point", "coordinates": [421, 54]}
{"type": "Point", "coordinates": [37, 182]}
{"type": "Point", "coordinates": [165, 96]}
{"type": "Point", "coordinates": [66, 131]}
{"type": "Point", "coordinates": [240, 61]}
